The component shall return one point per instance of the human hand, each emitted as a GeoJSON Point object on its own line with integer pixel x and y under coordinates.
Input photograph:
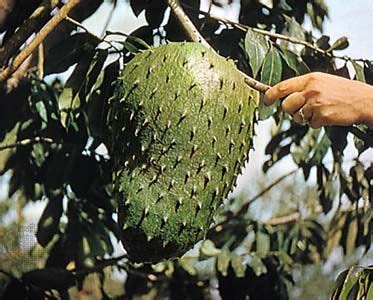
{"type": "Point", "coordinates": [323, 99]}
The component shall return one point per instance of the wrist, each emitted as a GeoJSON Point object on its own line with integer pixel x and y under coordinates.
{"type": "Point", "coordinates": [366, 109]}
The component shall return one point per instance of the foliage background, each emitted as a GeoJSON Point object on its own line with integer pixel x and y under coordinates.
{"type": "Point", "coordinates": [76, 232]}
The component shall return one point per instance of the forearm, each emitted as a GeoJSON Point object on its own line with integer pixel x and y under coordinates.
{"type": "Point", "coordinates": [366, 106]}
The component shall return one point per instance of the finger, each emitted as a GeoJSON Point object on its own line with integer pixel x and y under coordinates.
{"type": "Point", "coordinates": [284, 88]}
{"type": "Point", "coordinates": [307, 114]}
{"type": "Point", "coordinates": [315, 123]}
{"type": "Point", "coordinates": [293, 102]}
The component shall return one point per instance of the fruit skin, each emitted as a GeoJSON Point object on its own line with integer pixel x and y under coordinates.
{"type": "Point", "coordinates": [181, 123]}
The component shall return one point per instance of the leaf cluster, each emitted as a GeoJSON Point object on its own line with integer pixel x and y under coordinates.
{"type": "Point", "coordinates": [62, 156]}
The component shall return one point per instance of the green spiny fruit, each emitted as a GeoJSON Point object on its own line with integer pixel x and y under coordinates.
{"type": "Point", "coordinates": [181, 123]}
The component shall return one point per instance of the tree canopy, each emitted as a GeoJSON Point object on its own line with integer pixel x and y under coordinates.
{"type": "Point", "coordinates": [54, 133]}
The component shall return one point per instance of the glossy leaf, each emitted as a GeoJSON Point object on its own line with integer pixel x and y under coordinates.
{"type": "Point", "coordinates": [359, 69]}
{"type": "Point", "coordinates": [68, 52]}
{"type": "Point", "coordinates": [188, 266]}
{"type": "Point", "coordinates": [237, 264]}
{"type": "Point", "coordinates": [223, 261]}
{"type": "Point", "coordinates": [294, 62]}
{"type": "Point", "coordinates": [257, 265]}
{"type": "Point", "coordinates": [256, 47]}
{"type": "Point", "coordinates": [272, 67]}
{"type": "Point", "coordinates": [263, 243]}
{"type": "Point", "coordinates": [208, 248]}
{"type": "Point", "coordinates": [340, 44]}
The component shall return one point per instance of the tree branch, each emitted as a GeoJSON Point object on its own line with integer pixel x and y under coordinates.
{"type": "Point", "coordinates": [195, 36]}
{"type": "Point", "coordinates": [187, 24]}
{"type": "Point", "coordinates": [27, 142]}
{"type": "Point", "coordinates": [279, 36]}
{"type": "Point", "coordinates": [100, 266]}
{"type": "Point", "coordinates": [245, 207]}
{"type": "Point", "coordinates": [44, 32]}
{"type": "Point", "coordinates": [31, 25]}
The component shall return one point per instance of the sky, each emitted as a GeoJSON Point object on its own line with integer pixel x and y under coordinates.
{"type": "Point", "coordinates": [353, 19]}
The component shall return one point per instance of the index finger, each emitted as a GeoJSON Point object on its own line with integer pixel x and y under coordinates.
{"type": "Point", "coordinates": [284, 88]}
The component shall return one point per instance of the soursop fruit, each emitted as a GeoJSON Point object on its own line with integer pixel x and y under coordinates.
{"type": "Point", "coordinates": [181, 124]}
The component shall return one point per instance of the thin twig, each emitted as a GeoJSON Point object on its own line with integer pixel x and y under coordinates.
{"type": "Point", "coordinates": [255, 84]}
{"type": "Point", "coordinates": [13, 81]}
{"type": "Point", "coordinates": [247, 204]}
{"type": "Point", "coordinates": [31, 25]}
{"type": "Point", "coordinates": [148, 276]}
{"type": "Point", "coordinates": [245, 207]}
{"type": "Point", "coordinates": [279, 36]}
{"type": "Point", "coordinates": [103, 40]}
{"type": "Point", "coordinates": [284, 219]}
{"type": "Point", "coordinates": [27, 142]}
{"type": "Point", "coordinates": [294, 217]}
{"type": "Point", "coordinates": [98, 267]}
{"type": "Point", "coordinates": [44, 32]}
{"type": "Point", "coordinates": [108, 20]}
{"type": "Point", "coordinates": [195, 36]}
{"type": "Point", "coordinates": [41, 61]}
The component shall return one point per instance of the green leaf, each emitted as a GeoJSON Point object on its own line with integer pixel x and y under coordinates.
{"type": "Point", "coordinates": [263, 243]}
{"type": "Point", "coordinates": [320, 150]}
{"type": "Point", "coordinates": [257, 265]}
{"type": "Point", "coordinates": [38, 154]}
{"type": "Point", "coordinates": [140, 43]}
{"type": "Point", "coordinates": [79, 85]}
{"type": "Point", "coordinates": [284, 258]}
{"type": "Point", "coordinates": [295, 30]}
{"type": "Point", "coordinates": [323, 42]}
{"type": "Point", "coordinates": [208, 248]}
{"type": "Point", "coordinates": [69, 99]}
{"type": "Point", "coordinates": [256, 48]}
{"type": "Point", "coordinates": [68, 52]}
{"type": "Point", "coordinates": [294, 62]}
{"type": "Point", "coordinates": [359, 69]}
{"type": "Point", "coordinates": [270, 74]}
{"type": "Point", "coordinates": [325, 182]}
{"type": "Point", "coordinates": [134, 44]}
{"type": "Point", "coordinates": [188, 266]}
{"type": "Point", "coordinates": [42, 111]}
{"type": "Point", "coordinates": [284, 5]}
{"type": "Point", "coordinates": [338, 137]}
{"type": "Point", "coordinates": [95, 69]}
{"type": "Point", "coordinates": [340, 44]}
{"type": "Point", "coordinates": [223, 262]}
{"type": "Point", "coordinates": [237, 264]}
{"type": "Point", "coordinates": [352, 232]}
{"type": "Point", "coordinates": [48, 224]}
{"type": "Point", "coordinates": [272, 67]}
{"type": "Point", "coordinates": [339, 284]}
{"type": "Point", "coordinates": [98, 105]}
{"type": "Point", "coordinates": [350, 281]}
